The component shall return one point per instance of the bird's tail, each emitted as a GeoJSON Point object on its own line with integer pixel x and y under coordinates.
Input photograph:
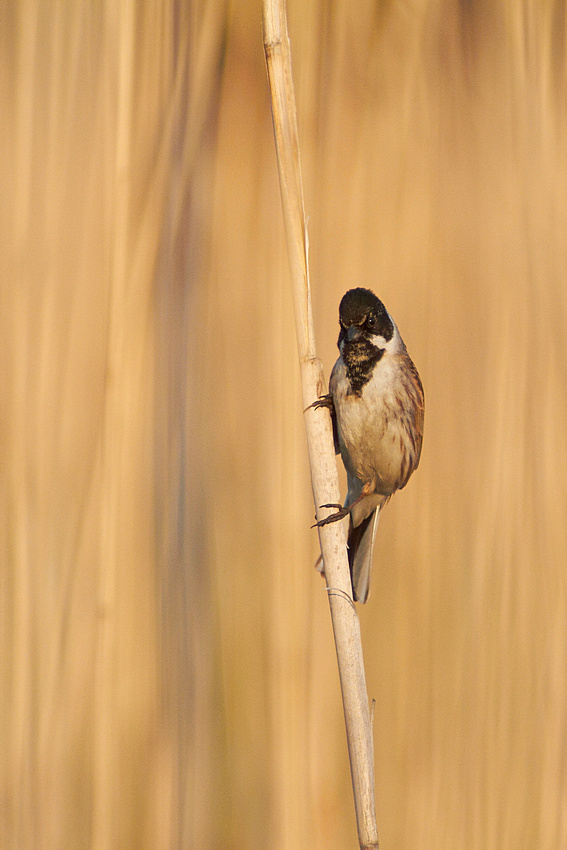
{"type": "Point", "coordinates": [360, 549]}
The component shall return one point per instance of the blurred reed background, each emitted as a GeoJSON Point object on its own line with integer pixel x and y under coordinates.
{"type": "Point", "coordinates": [165, 683]}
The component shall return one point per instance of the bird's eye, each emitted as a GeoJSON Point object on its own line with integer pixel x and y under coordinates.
{"type": "Point", "coordinates": [371, 322]}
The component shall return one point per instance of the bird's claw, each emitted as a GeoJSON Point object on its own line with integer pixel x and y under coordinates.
{"type": "Point", "coordinates": [322, 401]}
{"type": "Point", "coordinates": [341, 513]}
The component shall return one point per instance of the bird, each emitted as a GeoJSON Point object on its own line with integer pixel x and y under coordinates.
{"type": "Point", "coordinates": [377, 405]}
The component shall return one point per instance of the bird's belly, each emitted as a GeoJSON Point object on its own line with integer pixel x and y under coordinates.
{"type": "Point", "coordinates": [371, 440]}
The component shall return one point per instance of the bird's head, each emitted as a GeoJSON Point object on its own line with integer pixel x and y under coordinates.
{"type": "Point", "coordinates": [364, 319]}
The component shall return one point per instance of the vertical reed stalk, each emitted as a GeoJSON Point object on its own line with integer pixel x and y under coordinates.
{"type": "Point", "coordinates": [324, 476]}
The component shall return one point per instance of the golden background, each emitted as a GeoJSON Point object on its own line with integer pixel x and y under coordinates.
{"type": "Point", "coordinates": [167, 668]}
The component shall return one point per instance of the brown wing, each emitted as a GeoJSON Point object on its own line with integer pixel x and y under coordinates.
{"type": "Point", "coordinates": [414, 416]}
{"type": "Point", "coordinates": [419, 412]}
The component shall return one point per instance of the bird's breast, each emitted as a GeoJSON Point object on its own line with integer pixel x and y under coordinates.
{"type": "Point", "coordinates": [372, 425]}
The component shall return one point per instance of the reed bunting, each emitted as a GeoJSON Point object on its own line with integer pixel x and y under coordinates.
{"type": "Point", "coordinates": [377, 405]}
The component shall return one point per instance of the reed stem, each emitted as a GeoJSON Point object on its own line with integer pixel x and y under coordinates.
{"type": "Point", "coordinates": [324, 477]}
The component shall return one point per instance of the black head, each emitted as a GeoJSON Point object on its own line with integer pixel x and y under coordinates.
{"type": "Point", "coordinates": [361, 309]}
{"type": "Point", "coordinates": [366, 329]}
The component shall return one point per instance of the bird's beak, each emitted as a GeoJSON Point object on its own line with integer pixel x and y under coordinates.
{"type": "Point", "coordinates": [354, 333]}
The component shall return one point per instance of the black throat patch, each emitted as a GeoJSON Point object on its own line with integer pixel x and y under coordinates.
{"type": "Point", "coordinates": [360, 358]}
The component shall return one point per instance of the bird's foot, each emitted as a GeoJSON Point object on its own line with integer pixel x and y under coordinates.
{"type": "Point", "coordinates": [340, 513]}
{"type": "Point", "coordinates": [323, 401]}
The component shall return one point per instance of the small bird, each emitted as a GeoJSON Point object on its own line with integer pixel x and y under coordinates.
{"type": "Point", "coordinates": [377, 405]}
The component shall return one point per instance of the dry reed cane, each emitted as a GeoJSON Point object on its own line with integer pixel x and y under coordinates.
{"type": "Point", "coordinates": [324, 477]}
